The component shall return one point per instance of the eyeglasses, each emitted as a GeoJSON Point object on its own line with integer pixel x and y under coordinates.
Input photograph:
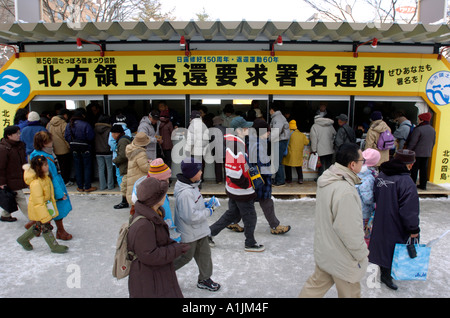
{"type": "Point", "coordinates": [363, 160]}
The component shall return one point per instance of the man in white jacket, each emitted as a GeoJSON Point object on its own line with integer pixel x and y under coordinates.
{"type": "Point", "coordinates": [322, 136]}
{"type": "Point", "coordinates": [340, 252]}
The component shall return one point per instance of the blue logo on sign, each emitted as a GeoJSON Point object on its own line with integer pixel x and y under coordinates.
{"type": "Point", "coordinates": [438, 88]}
{"type": "Point", "coordinates": [14, 86]}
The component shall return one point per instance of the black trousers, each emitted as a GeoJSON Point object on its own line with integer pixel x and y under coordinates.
{"type": "Point", "coordinates": [245, 210]}
{"type": "Point", "coordinates": [420, 167]}
{"type": "Point", "coordinates": [288, 173]}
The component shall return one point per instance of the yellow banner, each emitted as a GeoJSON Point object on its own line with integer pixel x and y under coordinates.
{"type": "Point", "coordinates": [236, 72]}
{"type": "Point", "coordinates": [231, 72]}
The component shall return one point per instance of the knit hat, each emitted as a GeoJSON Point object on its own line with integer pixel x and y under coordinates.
{"type": "Point", "coordinates": [159, 170]}
{"type": "Point", "coordinates": [141, 139]}
{"type": "Point", "coordinates": [406, 156]}
{"type": "Point", "coordinates": [117, 129]}
{"type": "Point", "coordinates": [425, 116]}
{"type": "Point", "coordinates": [190, 166]}
{"type": "Point", "coordinates": [292, 125]}
{"type": "Point", "coordinates": [151, 191]}
{"type": "Point", "coordinates": [372, 157]}
{"type": "Point", "coordinates": [33, 116]}
{"type": "Point", "coordinates": [376, 115]}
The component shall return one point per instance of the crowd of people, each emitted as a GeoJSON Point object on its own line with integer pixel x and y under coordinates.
{"type": "Point", "coordinates": [361, 187]}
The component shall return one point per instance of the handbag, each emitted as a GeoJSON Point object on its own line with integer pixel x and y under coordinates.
{"type": "Point", "coordinates": [255, 177]}
{"type": "Point", "coordinates": [406, 268]}
{"type": "Point", "coordinates": [8, 200]}
{"type": "Point", "coordinates": [312, 162]}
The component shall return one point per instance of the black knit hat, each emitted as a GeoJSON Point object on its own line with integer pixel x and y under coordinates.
{"type": "Point", "coordinates": [117, 129]}
{"type": "Point", "coordinates": [190, 166]}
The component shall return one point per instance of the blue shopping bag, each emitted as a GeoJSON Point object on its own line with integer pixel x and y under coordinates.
{"type": "Point", "coordinates": [406, 268]}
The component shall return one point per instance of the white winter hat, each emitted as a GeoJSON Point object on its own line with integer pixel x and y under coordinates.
{"type": "Point", "coordinates": [33, 116]}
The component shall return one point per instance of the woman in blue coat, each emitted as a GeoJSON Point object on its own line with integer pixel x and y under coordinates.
{"type": "Point", "coordinates": [396, 214]}
{"type": "Point", "coordinates": [43, 145]}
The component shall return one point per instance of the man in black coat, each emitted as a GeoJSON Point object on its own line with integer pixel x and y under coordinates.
{"type": "Point", "coordinates": [422, 142]}
{"type": "Point", "coordinates": [396, 214]}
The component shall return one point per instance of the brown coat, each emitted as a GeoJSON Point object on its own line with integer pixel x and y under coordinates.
{"type": "Point", "coordinates": [12, 158]}
{"type": "Point", "coordinates": [138, 165]}
{"type": "Point", "coordinates": [57, 127]}
{"type": "Point", "coordinates": [152, 274]}
{"type": "Point", "coordinates": [376, 128]}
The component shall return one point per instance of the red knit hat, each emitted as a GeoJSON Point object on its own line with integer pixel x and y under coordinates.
{"type": "Point", "coordinates": [425, 116]}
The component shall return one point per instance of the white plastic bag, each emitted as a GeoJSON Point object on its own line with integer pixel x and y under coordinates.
{"type": "Point", "coordinates": [312, 162]}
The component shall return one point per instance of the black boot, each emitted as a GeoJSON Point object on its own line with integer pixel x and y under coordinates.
{"type": "Point", "coordinates": [386, 278]}
{"type": "Point", "coordinates": [122, 205]}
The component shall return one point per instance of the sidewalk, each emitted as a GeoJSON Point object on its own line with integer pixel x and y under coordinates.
{"type": "Point", "coordinates": [292, 190]}
{"type": "Point", "coordinates": [278, 272]}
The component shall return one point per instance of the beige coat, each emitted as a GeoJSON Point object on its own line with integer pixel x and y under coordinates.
{"type": "Point", "coordinates": [376, 128]}
{"type": "Point", "coordinates": [138, 165]}
{"type": "Point", "coordinates": [296, 144]}
{"type": "Point", "coordinates": [57, 127]}
{"type": "Point", "coordinates": [339, 246]}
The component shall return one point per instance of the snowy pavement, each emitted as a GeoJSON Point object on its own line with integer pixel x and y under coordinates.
{"type": "Point", "coordinates": [279, 272]}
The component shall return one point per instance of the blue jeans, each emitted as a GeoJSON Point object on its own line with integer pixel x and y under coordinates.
{"type": "Point", "coordinates": [104, 162]}
{"type": "Point", "coordinates": [279, 175]}
{"type": "Point", "coordinates": [83, 168]}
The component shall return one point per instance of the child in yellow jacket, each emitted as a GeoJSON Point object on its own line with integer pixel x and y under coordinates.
{"type": "Point", "coordinates": [36, 175]}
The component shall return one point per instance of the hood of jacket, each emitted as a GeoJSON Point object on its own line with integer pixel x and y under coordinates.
{"type": "Point", "coordinates": [335, 173]}
{"type": "Point", "coordinates": [57, 121]}
{"type": "Point", "coordinates": [132, 151]}
{"type": "Point", "coordinates": [29, 174]}
{"type": "Point", "coordinates": [101, 128]}
{"type": "Point", "coordinates": [322, 121]}
{"type": "Point", "coordinates": [379, 126]}
{"type": "Point", "coordinates": [145, 120]}
{"type": "Point", "coordinates": [184, 184]}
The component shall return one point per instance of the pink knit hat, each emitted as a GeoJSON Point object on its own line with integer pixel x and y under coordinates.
{"type": "Point", "coordinates": [159, 170]}
{"type": "Point", "coordinates": [372, 157]}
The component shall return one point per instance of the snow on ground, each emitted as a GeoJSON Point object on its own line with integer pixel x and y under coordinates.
{"type": "Point", "coordinates": [279, 272]}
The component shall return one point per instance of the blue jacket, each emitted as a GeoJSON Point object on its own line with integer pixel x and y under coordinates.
{"type": "Point", "coordinates": [81, 132]}
{"type": "Point", "coordinates": [365, 191]}
{"type": "Point", "coordinates": [64, 206]}
{"type": "Point", "coordinates": [27, 135]}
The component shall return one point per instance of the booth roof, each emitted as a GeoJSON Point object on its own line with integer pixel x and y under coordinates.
{"type": "Point", "coordinates": [218, 31]}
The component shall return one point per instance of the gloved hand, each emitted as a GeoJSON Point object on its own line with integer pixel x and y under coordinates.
{"type": "Point", "coordinates": [212, 203]}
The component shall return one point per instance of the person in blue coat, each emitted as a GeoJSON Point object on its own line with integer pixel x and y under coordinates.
{"type": "Point", "coordinates": [43, 146]}
{"type": "Point", "coordinates": [27, 133]}
{"type": "Point", "coordinates": [80, 136]}
{"type": "Point", "coordinates": [396, 213]}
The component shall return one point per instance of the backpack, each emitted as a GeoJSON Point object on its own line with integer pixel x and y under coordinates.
{"type": "Point", "coordinates": [411, 128]}
{"type": "Point", "coordinates": [385, 141]}
{"type": "Point", "coordinates": [123, 257]}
